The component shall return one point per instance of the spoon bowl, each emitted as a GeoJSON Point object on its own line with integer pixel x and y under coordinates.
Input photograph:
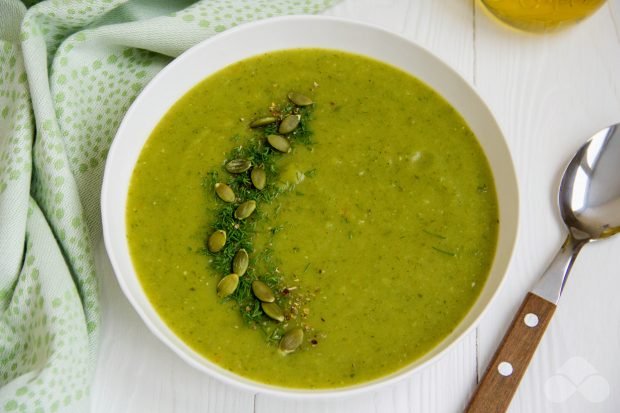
{"type": "Point", "coordinates": [589, 195]}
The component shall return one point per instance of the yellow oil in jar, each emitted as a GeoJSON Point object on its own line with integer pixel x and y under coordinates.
{"type": "Point", "coordinates": [541, 15]}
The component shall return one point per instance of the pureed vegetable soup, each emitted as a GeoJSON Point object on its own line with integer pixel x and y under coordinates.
{"type": "Point", "coordinates": [376, 238]}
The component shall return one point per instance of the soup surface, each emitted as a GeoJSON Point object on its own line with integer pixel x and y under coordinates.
{"type": "Point", "coordinates": [391, 219]}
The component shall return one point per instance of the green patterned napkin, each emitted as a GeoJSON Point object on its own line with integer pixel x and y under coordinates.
{"type": "Point", "coordinates": [69, 69]}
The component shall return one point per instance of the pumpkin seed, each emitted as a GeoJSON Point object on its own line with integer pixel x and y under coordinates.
{"type": "Point", "coordinates": [216, 241]}
{"type": "Point", "coordinates": [225, 192]}
{"type": "Point", "coordinates": [273, 310]}
{"type": "Point", "coordinates": [240, 262]}
{"type": "Point", "coordinates": [227, 285]}
{"type": "Point", "coordinates": [291, 340]}
{"type": "Point", "coordinates": [245, 210]}
{"type": "Point", "coordinates": [237, 166]}
{"type": "Point", "coordinates": [289, 124]}
{"type": "Point", "coordinates": [279, 143]}
{"type": "Point", "coordinates": [257, 123]}
{"type": "Point", "coordinates": [299, 99]}
{"type": "Point", "coordinates": [259, 177]}
{"type": "Point", "coordinates": [262, 291]}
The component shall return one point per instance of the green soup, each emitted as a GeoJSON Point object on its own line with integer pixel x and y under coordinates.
{"type": "Point", "coordinates": [393, 231]}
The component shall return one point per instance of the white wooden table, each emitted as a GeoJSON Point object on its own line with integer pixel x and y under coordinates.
{"type": "Point", "coordinates": [548, 93]}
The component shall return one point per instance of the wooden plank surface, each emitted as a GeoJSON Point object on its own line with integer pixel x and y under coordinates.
{"type": "Point", "coordinates": [548, 93]}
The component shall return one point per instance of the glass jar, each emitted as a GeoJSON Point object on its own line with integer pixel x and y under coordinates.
{"type": "Point", "coordinates": [541, 15]}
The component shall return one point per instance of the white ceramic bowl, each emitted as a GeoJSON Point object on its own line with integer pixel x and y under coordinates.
{"type": "Point", "coordinates": [284, 33]}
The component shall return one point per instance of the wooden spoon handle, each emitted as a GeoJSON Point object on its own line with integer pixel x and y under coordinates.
{"type": "Point", "coordinates": [511, 359]}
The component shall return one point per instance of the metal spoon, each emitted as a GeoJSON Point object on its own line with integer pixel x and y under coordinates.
{"type": "Point", "coordinates": [589, 201]}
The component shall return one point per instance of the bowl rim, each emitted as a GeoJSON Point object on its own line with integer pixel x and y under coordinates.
{"type": "Point", "coordinates": [256, 386]}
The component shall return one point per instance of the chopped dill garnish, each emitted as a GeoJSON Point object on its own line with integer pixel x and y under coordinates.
{"type": "Point", "coordinates": [434, 234]}
{"type": "Point", "coordinates": [311, 173]}
{"type": "Point", "coordinates": [276, 229]}
{"type": "Point", "coordinates": [452, 254]}
{"type": "Point", "coordinates": [303, 134]}
{"type": "Point", "coordinates": [240, 233]}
